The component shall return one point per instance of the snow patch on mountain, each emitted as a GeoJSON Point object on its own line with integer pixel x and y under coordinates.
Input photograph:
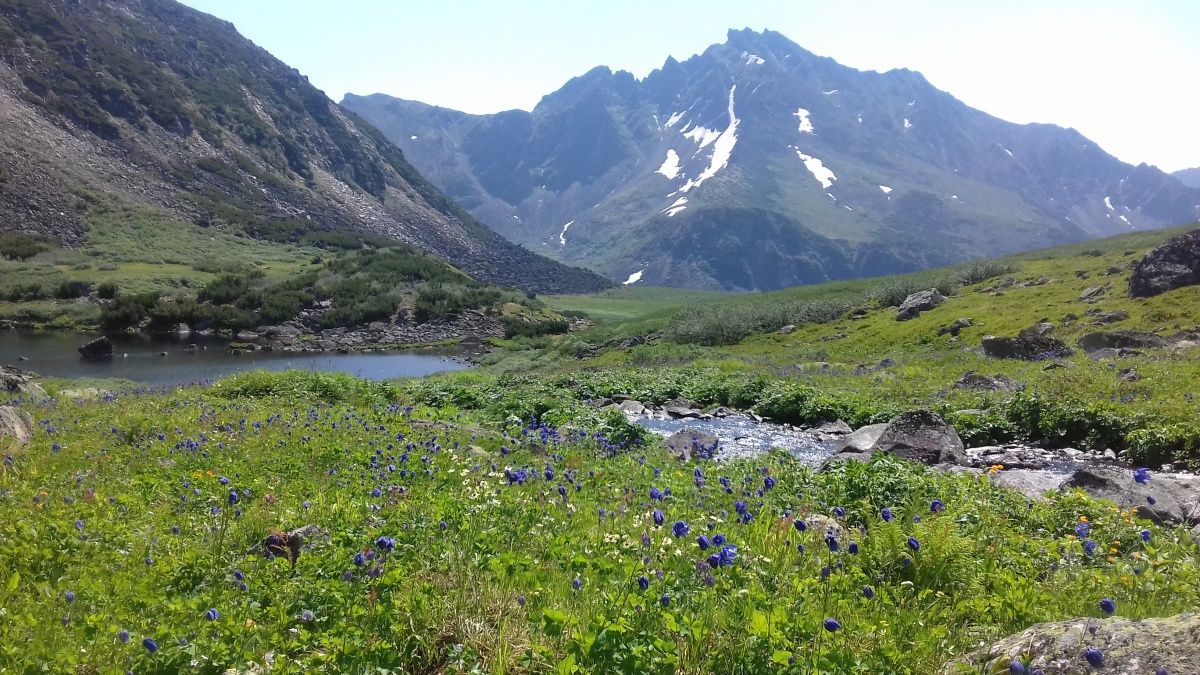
{"type": "Point", "coordinates": [413, 138]}
{"type": "Point", "coordinates": [634, 278]}
{"type": "Point", "coordinates": [1006, 151]}
{"type": "Point", "coordinates": [679, 205]}
{"type": "Point", "coordinates": [1108, 203]}
{"type": "Point", "coordinates": [907, 123]}
{"type": "Point", "coordinates": [722, 148]}
{"type": "Point", "coordinates": [673, 119]}
{"type": "Point", "coordinates": [562, 236]}
{"type": "Point", "coordinates": [670, 165]}
{"type": "Point", "coordinates": [885, 189]}
{"type": "Point", "coordinates": [818, 169]}
{"type": "Point", "coordinates": [752, 59]}
{"type": "Point", "coordinates": [806, 126]}
{"type": "Point", "coordinates": [702, 135]}
{"type": "Point", "coordinates": [830, 92]}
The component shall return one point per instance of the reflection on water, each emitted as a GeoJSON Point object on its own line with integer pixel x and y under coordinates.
{"type": "Point", "coordinates": [139, 358]}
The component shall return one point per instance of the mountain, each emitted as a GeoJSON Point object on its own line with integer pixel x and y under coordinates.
{"type": "Point", "coordinates": [758, 165]}
{"type": "Point", "coordinates": [151, 102]}
{"type": "Point", "coordinates": [1189, 177]}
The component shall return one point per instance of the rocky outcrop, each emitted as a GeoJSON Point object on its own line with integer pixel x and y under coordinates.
{"type": "Point", "coordinates": [1121, 339]}
{"type": "Point", "coordinates": [99, 349]}
{"type": "Point", "coordinates": [978, 382]}
{"type": "Point", "coordinates": [1126, 647]}
{"type": "Point", "coordinates": [19, 382]}
{"type": "Point", "coordinates": [1027, 346]}
{"type": "Point", "coordinates": [15, 425]}
{"type": "Point", "coordinates": [1165, 498]}
{"type": "Point", "coordinates": [1173, 265]}
{"type": "Point", "coordinates": [921, 301]}
{"type": "Point", "coordinates": [1033, 483]}
{"type": "Point", "coordinates": [691, 444]}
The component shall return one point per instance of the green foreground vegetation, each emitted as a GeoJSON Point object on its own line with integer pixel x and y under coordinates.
{"type": "Point", "coordinates": [497, 521]}
{"type": "Point", "coordinates": [145, 532]}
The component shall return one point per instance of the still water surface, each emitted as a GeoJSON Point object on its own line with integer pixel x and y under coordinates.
{"type": "Point", "coordinates": [138, 358]}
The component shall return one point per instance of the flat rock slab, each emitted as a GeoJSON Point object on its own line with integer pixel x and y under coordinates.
{"type": "Point", "coordinates": [690, 444]}
{"type": "Point", "coordinates": [1027, 347]}
{"type": "Point", "coordinates": [1129, 647]}
{"type": "Point", "coordinates": [15, 425]}
{"type": "Point", "coordinates": [1033, 483]}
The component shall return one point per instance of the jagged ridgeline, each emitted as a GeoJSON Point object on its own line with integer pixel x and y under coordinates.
{"type": "Point", "coordinates": [148, 102]}
{"type": "Point", "coordinates": [757, 165]}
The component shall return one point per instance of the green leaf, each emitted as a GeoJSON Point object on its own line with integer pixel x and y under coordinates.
{"type": "Point", "coordinates": [14, 581]}
{"type": "Point", "coordinates": [781, 657]}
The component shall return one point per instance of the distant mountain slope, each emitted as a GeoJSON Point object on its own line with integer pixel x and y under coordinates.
{"type": "Point", "coordinates": [1189, 177]}
{"type": "Point", "coordinates": [757, 165]}
{"type": "Point", "coordinates": [149, 101]}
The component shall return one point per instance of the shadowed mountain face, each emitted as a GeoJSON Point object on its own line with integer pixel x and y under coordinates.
{"type": "Point", "coordinates": [150, 102]}
{"type": "Point", "coordinates": [757, 165]}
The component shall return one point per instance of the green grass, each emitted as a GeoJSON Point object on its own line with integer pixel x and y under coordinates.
{"type": "Point", "coordinates": [121, 503]}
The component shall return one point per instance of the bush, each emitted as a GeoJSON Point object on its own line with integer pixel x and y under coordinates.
{"type": "Point", "coordinates": [68, 290]}
{"type": "Point", "coordinates": [128, 311]}
{"type": "Point", "coordinates": [20, 246]}
{"type": "Point", "coordinates": [726, 324]}
{"type": "Point", "coordinates": [106, 290]}
{"type": "Point", "coordinates": [515, 326]}
{"type": "Point", "coordinates": [22, 292]}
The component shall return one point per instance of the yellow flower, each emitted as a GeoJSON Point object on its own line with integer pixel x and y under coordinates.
{"type": "Point", "coordinates": [995, 468]}
{"type": "Point", "coordinates": [1083, 519]}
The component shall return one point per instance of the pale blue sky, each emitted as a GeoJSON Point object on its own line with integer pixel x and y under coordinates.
{"type": "Point", "coordinates": [1124, 73]}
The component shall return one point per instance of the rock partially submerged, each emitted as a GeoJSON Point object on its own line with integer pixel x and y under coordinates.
{"type": "Point", "coordinates": [1165, 498]}
{"type": "Point", "coordinates": [919, 436]}
{"type": "Point", "coordinates": [100, 349]}
{"type": "Point", "coordinates": [1173, 265]}
{"type": "Point", "coordinates": [689, 444]}
{"type": "Point", "coordinates": [921, 301]}
{"type": "Point", "coordinates": [1128, 646]}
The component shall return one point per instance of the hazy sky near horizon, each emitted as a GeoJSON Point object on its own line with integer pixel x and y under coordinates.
{"type": "Point", "coordinates": [1123, 73]}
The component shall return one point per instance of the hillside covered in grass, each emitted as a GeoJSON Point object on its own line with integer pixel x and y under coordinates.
{"type": "Point", "coordinates": [845, 354]}
{"type": "Point", "coordinates": [314, 523]}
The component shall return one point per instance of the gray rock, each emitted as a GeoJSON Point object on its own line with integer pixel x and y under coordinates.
{"type": "Point", "coordinates": [1040, 329]}
{"type": "Point", "coordinates": [1092, 293]}
{"type": "Point", "coordinates": [956, 327]}
{"type": "Point", "coordinates": [1173, 265]}
{"type": "Point", "coordinates": [14, 424]}
{"type": "Point", "coordinates": [1121, 339]}
{"type": "Point", "coordinates": [838, 428]}
{"type": "Point", "coordinates": [246, 335]}
{"type": "Point", "coordinates": [292, 544]}
{"type": "Point", "coordinates": [921, 436]}
{"type": "Point", "coordinates": [1176, 497]}
{"type": "Point", "coordinates": [978, 382]}
{"type": "Point", "coordinates": [790, 328]}
{"type": "Point", "coordinates": [1033, 483]}
{"type": "Point", "coordinates": [1129, 646]}
{"type": "Point", "coordinates": [864, 438]}
{"type": "Point", "coordinates": [99, 349]}
{"type": "Point", "coordinates": [1009, 457]}
{"type": "Point", "coordinates": [688, 444]}
{"type": "Point", "coordinates": [20, 382]}
{"type": "Point", "coordinates": [632, 407]}
{"type": "Point", "coordinates": [1028, 347]}
{"type": "Point", "coordinates": [1104, 318]}
{"type": "Point", "coordinates": [921, 301]}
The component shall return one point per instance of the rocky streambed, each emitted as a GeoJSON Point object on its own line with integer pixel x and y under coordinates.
{"type": "Point", "coordinates": [721, 434]}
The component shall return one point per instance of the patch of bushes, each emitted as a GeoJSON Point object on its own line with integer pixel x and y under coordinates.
{"type": "Point", "coordinates": [106, 290]}
{"type": "Point", "coordinates": [516, 326]}
{"type": "Point", "coordinates": [69, 290]}
{"type": "Point", "coordinates": [891, 292]}
{"type": "Point", "coordinates": [304, 385]}
{"type": "Point", "coordinates": [20, 246]}
{"type": "Point", "coordinates": [730, 323]}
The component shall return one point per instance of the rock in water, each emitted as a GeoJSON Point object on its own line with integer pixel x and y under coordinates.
{"type": "Point", "coordinates": [1027, 346]}
{"type": "Point", "coordinates": [1130, 647]}
{"type": "Point", "coordinates": [1173, 265]}
{"type": "Point", "coordinates": [14, 424]}
{"type": "Point", "coordinates": [921, 301]}
{"type": "Point", "coordinates": [97, 350]}
{"type": "Point", "coordinates": [1176, 497]}
{"type": "Point", "coordinates": [921, 436]}
{"type": "Point", "coordinates": [688, 444]}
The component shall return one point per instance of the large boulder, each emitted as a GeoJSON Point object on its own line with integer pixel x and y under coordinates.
{"type": "Point", "coordinates": [863, 438]}
{"type": "Point", "coordinates": [99, 349]}
{"type": "Point", "coordinates": [688, 444]}
{"type": "Point", "coordinates": [1170, 266]}
{"type": "Point", "coordinates": [1129, 647]}
{"type": "Point", "coordinates": [921, 301]}
{"type": "Point", "coordinates": [1028, 346]}
{"type": "Point", "coordinates": [14, 425]}
{"type": "Point", "coordinates": [1121, 339]}
{"type": "Point", "coordinates": [1176, 498]}
{"type": "Point", "coordinates": [921, 436]}
{"type": "Point", "coordinates": [1033, 483]}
